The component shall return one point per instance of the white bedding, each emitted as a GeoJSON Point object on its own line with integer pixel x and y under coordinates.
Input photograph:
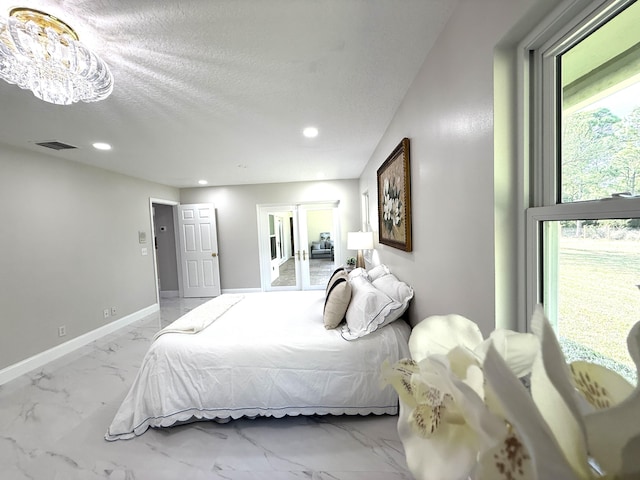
{"type": "Point", "coordinates": [268, 354]}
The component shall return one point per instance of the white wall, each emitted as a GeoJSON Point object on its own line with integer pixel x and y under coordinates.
{"type": "Point", "coordinates": [69, 249]}
{"type": "Point", "coordinates": [448, 115]}
{"type": "Point", "coordinates": [238, 225]}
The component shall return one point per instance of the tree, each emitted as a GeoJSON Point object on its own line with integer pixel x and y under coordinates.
{"type": "Point", "coordinates": [589, 147]}
{"type": "Point", "coordinates": [627, 158]}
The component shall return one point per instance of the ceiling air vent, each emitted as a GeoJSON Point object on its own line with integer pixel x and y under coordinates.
{"type": "Point", "coordinates": [55, 145]}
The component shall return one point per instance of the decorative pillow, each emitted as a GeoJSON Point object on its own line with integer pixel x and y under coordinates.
{"type": "Point", "coordinates": [334, 276]}
{"type": "Point", "coordinates": [337, 302]}
{"type": "Point", "coordinates": [369, 309]}
{"type": "Point", "coordinates": [397, 290]}
{"type": "Point", "coordinates": [378, 271]}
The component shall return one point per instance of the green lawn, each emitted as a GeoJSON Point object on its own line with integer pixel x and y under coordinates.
{"type": "Point", "coordinates": [599, 301]}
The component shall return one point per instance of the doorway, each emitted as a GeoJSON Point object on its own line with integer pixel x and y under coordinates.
{"type": "Point", "coordinates": [164, 244]}
{"type": "Point", "coordinates": [185, 249]}
{"type": "Point", "coordinates": [299, 245]}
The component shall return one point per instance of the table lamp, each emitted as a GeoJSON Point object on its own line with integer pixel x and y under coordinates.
{"type": "Point", "coordinates": [360, 241]}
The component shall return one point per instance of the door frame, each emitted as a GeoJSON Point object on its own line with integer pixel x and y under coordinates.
{"type": "Point", "coordinates": [174, 206]}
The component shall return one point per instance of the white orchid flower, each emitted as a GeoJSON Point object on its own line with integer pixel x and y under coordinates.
{"type": "Point", "coordinates": [443, 420]}
{"type": "Point", "coordinates": [560, 440]}
{"type": "Point", "coordinates": [613, 429]}
{"type": "Point", "coordinates": [538, 452]}
{"type": "Point", "coordinates": [556, 397]}
{"type": "Point", "coordinates": [465, 414]}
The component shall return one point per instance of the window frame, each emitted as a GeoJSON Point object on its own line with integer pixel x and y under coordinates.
{"type": "Point", "coordinates": [567, 25]}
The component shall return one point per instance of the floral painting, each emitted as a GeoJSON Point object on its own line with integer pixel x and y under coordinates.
{"type": "Point", "coordinates": [394, 199]}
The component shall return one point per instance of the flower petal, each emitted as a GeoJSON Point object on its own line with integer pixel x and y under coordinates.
{"type": "Point", "coordinates": [547, 458]}
{"type": "Point", "coordinates": [460, 359]}
{"type": "Point", "coordinates": [556, 398]}
{"type": "Point", "coordinates": [613, 433]}
{"type": "Point", "coordinates": [438, 334]}
{"type": "Point", "coordinates": [398, 376]}
{"type": "Point", "coordinates": [425, 419]}
{"type": "Point", "coordinates": [448, 455]}
{"type": "Point", "coordinates": [468, 398]}
{"type": "Point", "coordinates": [508, 460]}
{"type": "Point", "coordinates": [601, 387]}
{"type": "Point", "coordinates": [517, 349]}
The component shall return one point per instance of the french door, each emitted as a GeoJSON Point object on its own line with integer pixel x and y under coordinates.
{"type": "Point", "coordinates": [287, 233]}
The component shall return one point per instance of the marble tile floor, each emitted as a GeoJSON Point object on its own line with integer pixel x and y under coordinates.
{"type": "Point", "coordinates": [320, 269]}
{"type": "Point", "coordinates": [53, 420]}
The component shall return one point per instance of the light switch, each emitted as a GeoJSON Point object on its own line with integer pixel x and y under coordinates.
{"type": "Point", "coordinates": [144, 250]}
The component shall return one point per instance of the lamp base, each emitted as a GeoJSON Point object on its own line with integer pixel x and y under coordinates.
{"type": "Point", "coordinates": [360, 260]}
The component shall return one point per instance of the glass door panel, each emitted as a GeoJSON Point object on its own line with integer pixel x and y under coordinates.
{"type": "Point", "coordinates": [281, 243]}
{"type": "Point", "coordinates": [317, 237]}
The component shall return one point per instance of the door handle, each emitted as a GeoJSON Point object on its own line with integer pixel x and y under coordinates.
{"type": "Point", "coordinates": [304, 255]}
{"type": "Point", "coordinates": [298, 254]}
{"type": "Point", "coordinates": [214, 254]}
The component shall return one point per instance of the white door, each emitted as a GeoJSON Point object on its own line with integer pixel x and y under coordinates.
{"type": "Point", "coordinates": [199, 250]}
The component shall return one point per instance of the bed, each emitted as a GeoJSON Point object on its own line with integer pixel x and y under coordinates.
{"type": "Point", "coordinates": [268, 354]}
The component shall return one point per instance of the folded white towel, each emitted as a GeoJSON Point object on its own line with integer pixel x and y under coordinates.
{"type": "Point", "coordinates": [202, 316]}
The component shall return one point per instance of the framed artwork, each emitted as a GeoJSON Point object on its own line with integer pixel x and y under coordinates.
{"type": "Point", "coordinates": [394, 199]}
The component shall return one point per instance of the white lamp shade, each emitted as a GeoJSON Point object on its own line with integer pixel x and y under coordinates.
{"type": "Point", "coordinates": [360, 240]}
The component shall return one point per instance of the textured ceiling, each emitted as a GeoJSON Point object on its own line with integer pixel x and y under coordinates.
{"type": "Point", "coordinates": [221, 90]}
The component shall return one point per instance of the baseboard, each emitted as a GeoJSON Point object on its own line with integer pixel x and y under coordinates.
{"type": "Point", "coordinates": [241, 290]}
{"type": "Point", "coordinates": [39, 360]}
{"type": "Point", "coordinates": [169, 294]}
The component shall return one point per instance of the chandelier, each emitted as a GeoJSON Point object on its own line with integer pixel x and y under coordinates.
{"type": "Point", "coordinates": [41, 53]}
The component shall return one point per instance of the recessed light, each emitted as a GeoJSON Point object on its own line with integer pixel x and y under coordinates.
{"type": "Point", "coordinates": [101, 146]}
{"type": "Point", "coordinates": [202, 182]}
{"type": "Point", "coordinates": [310, 132]}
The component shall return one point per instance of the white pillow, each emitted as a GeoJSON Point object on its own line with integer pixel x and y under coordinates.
{"type": "Point", "coordinates": [389, 284]}
{"type": "Point", "coordinates": [369, 309]}
{"type": "Point", "coordinates": [378, 271]}
{"type": "Point", "coordinates": [358, 272]}
{"type": "Point", "coordinates": [397, 290]}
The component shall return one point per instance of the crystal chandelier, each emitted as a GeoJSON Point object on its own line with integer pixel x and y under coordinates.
{"type": "Point", "coordinates": [42, 53]}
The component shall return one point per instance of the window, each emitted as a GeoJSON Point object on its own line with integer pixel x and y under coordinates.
{"type": "Point", "coordinates": [583, 229]}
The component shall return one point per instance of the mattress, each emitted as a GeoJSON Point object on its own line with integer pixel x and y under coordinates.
{"type": "Point", "coordinates": [267, 354]}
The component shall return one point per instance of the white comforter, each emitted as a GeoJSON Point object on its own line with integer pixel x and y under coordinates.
{"type": "Point", "coordinates": [269, 354]}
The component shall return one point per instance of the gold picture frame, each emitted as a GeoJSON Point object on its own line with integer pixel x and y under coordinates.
{"type": "Point", "coordinates": [394, 199]}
